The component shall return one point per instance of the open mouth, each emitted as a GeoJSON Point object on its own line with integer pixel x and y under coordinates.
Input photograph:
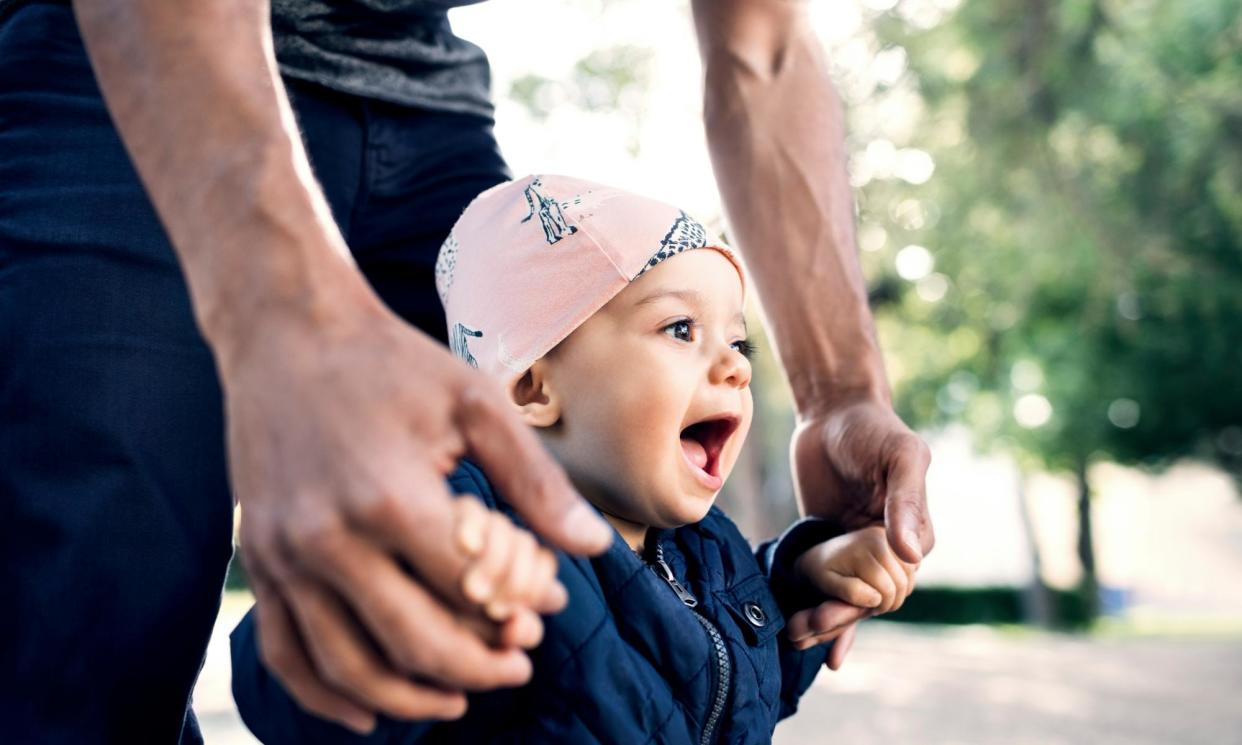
{"type": "Point", "coordinates": [702, 442]}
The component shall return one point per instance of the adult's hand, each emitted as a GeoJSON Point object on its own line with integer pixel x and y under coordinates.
{"type": "Point", "coordinates": [831, 619]}
{"type": "Point", "coordinates": [775, 129]}
{"type": "Point", "coordinates": [342, 420]}
{"type": "Point", "coordinates": [340, 438]}
{"type": "Point", "coordinates": [855, 464]}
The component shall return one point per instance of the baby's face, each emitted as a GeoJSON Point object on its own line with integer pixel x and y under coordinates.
{"type": "Point", "coordinates": [654, 392]}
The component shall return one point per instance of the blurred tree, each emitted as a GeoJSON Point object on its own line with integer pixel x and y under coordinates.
{"type": "Point", "coordinates": [612, 80]}
{"type": "Point", "coordinates": [1082, 294]}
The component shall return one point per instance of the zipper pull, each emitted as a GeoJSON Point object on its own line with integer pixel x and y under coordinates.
{"type": "Point", "coordinates": [667, 575]}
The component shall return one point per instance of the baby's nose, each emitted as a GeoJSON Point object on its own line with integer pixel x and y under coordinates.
{"type": "Point", "coordinates": [731, 368]}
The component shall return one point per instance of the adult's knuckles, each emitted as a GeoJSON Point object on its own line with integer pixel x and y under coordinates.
{"type": "Point", "coordinates": [476, 405]}
{"type": "Point", "coordinates": [423, 653]}
{"type": "Point", "coordinates": [388, 617]}
{"type": "Point", "coordinates": [388, 508]}
{"type": "Point", "coordinates": [345, 672]}
{"type": "Point", "coordinates": [262, 555]}
{"type": "Point", "coordinates": [261, 561]}
{"type": "Point", "coordinates": [314, 537]}
{"type": "Point", "coordinates": [904, 445]}
{"type": "Point", "coordinates": [919, 449]}
{"type": "Point", "coordinates": [281, 659]}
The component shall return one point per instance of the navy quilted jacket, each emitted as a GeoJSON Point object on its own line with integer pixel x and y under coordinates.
{"type": "Point", "coordinates": [627, 661]}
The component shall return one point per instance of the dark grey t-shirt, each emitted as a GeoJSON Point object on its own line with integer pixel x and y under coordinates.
{"type": "Point", "coordinates": [402, 51]}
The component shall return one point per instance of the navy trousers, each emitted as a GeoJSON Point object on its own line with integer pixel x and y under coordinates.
{"type": "Point", "coordinates": [116, 528]}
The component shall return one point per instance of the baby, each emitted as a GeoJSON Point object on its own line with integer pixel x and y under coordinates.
{"type": "Point", "coordinates": [615, 323]}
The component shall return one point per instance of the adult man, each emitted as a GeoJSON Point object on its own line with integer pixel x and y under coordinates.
{"type": "Point", "coordinates": [342, 420]}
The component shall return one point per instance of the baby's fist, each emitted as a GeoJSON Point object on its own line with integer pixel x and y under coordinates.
{"type": "Point", "coordinates": [859, 568]}
{"type": "Point", "coordinates": [508, 570]}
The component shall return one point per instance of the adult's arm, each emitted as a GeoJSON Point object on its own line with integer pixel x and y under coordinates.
{"type": "Point", "coordinates": [342, 420]}
{"type": "Point", "coordinates": [776, 133]}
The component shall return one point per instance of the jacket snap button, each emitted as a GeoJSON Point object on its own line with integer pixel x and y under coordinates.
{"type": "Point", "coordinates": [755, 614]}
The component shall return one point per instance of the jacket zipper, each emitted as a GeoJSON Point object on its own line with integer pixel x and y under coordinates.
{"type": "Point", "coordinates": [723, 668]}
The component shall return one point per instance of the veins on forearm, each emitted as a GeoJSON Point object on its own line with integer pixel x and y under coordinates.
{"type": "Point", "coordinates": [777, 142]}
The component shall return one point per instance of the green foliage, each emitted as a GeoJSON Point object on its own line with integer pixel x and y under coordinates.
{"type": "Point", "coordinates": [608, 81]}
{"type": "Point", "coordinates": [1086, 219]}
{"type": "Point", "coordinates": [993, 605]}
{"type": "Point", "coordinates": [612, 79]}
{"type": "Point", "coordinates": [236, 578]}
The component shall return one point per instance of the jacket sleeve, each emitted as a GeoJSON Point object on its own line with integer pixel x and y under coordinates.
{"type": "Point", "coordinates": [776, 559]}
{"type": "Point", "coordinates": [275, 717]}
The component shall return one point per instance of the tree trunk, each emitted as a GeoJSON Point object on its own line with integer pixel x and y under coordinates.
{"type": "Point", "coordinates": [1036, 601]}
{"type": "Point", "coordinates": [1086, 547]}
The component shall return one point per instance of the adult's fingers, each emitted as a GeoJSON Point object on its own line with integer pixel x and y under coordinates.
{"type": "Point", "coordinates": [905, 501]}
{"type": "Point", "coordinates": [828, 617]}
{"type": "Point", "coordinates": [836, 656]}
{"type": "Point", "coordinates": [282, 652]}
{"type": "Point", "coordinates": [414, 630]}
{"type": "Point", "coordinates": [345, 660]}
{"type": "Point", "coordinates": [517, 463]}
{"type": "Point", "coordinates": [440, 544]}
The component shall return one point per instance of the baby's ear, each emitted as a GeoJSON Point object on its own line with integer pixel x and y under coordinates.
{"type": "Point", "coordinates": [536, 401]}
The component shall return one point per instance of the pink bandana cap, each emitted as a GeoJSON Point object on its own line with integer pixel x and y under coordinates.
{"type": "Point", "coordinates": [532, 259]}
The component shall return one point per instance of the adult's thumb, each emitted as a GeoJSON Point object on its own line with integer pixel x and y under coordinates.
{"type": "Point", "coordinates": [906, 518]}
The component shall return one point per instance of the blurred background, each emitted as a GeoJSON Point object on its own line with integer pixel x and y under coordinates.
{"type": "Point", "coordinates": [1050, 223]}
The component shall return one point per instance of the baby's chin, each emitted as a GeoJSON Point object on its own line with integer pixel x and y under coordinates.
{"type": "Point", "coordinates": [658, 505]}
{"type": "Point", "coordinates": [674, 511]}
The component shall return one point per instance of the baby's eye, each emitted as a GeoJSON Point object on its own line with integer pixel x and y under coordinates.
{"type": "Point", "coordinates": [746, 347]}
{"type": "Point", "coordinates": [685, 323]}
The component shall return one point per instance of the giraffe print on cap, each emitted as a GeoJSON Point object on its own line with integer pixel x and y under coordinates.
{"type": "Point", "coordinates": [458, 342]}
{"type": "Point", "coordinates": [551, 217]}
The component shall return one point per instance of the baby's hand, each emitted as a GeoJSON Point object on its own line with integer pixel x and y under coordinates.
{"type": "Point", "coordinates": [859, 568]}
{"type": "Point", "coordinates": [509, 573]}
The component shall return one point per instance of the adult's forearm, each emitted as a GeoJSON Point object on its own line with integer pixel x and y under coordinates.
{"type": "Point", "coordinates": [776, 133]}
{"type": "Point", "coordinates": [193, 90]}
